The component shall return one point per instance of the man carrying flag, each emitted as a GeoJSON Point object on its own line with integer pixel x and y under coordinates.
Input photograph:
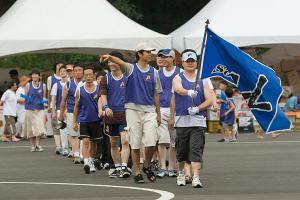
{"type": "Point", "coordinates": [258, 83]}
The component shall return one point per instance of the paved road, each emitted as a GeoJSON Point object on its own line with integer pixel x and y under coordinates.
{"type": "Point", "coordinates": [248, 170]}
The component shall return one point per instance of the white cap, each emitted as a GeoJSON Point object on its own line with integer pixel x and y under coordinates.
{"type": "Point", "coordinates": [189, 55]}
{"type": "Point", "coordinates": [144, 46]}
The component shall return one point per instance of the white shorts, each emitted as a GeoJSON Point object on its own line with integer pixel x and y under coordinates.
{"type": "Point", "coordinates": [69, 128]}
{"type": "Point", "coordinates": [142, 128]}
{"type": "Point", "coordinates": [166, 135]}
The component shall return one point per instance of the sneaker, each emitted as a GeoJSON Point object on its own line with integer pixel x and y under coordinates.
{"type": "Point", "coordinates": [172, 173]}
{"type": "Point", "coordinates": [86, 168]}
{"type": "Point", "coordinates": [97, 164]}
{"type": "Point", "coordinates": [77, 160]}
{"type": "Point", "coordinates": [130, 170]}
{"type": "Point", "coordinates": [221, 140]}
{"type": "Point", "coordinates": [114, 174]}
{"type": "Point", "coordinates": [161, 173]}
{"type": "Point", "coordinates": [58, 150]}
{"type": "Point", "coordinates": [188, 179]}
{"type": "Point", "coordinates": [181, 180]}
{"type": "Point", "coordinates": [124, 173]}
{"type": "Point", "coordinates": [106, 166]}
{"type": "Point", "coordinates": [39, 148]}
{"type": "Point", "coordinates": [139, 179]}
{"type": "Point", "coordinates": [32, 149]}
{"type": "Point", "coordinates": [65, 152]}
{"type": "Point", "coordinates": [71, 154]}
{"type": "Point", "coordinates": [154, 165]}
{"type": "Point", "coordinates": [110, 171]}
{"type": "Point", "coordinates": [233, 140]}
{"type": "Point", "coordinates": [196, 183]}
{"type": "Point", "coordinates": [92, 167]}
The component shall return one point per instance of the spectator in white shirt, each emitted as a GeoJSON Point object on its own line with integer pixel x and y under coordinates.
{"type": "Point", "coordinates": [9, 102]}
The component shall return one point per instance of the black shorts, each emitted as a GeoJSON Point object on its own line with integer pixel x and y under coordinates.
{"type": "Point", "coordinates": [116, 129]}
{"type": "Point", "coordinates": [91, 130]}
{"type": "Point", "coordinates": [189, 143]}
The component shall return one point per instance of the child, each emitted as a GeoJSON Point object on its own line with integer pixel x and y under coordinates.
{"type": "Point", "coordinates": [229, 116]}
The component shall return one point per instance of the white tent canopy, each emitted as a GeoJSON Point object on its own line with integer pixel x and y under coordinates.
{"type": "Point", "coordinates": [73, 26]}
{"type": "Point", "coordinates": [263, 23]}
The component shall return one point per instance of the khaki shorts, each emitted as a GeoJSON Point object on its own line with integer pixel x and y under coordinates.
{"type": "Point", "coordinates": [142, 128]}
{"type": "Point", "coordinates": [166, 135]}
{"type": "Point", "coordinates": [69, 129]}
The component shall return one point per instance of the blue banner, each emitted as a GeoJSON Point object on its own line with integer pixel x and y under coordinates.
{"type": "Point", "coordinates": [257, 82]}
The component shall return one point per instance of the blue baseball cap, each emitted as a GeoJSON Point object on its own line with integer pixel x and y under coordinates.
{"type": "Point", "coordinates": [166, 52]}
{"type": "Point", "coordinates": [189, 55]}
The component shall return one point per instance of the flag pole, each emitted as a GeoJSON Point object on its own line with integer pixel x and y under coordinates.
{"type": "Point", "coordinates": [200, 58]}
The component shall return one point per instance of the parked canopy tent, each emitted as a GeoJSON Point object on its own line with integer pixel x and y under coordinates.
{"type": "Point", "coordinates": [82, 26]}
{"type": "Point", "coordinates": [258, 23]}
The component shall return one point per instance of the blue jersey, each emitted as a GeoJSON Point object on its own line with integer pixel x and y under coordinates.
{"type": "Point", "coordinates": [58, 95]}
{"type": "Point", "coordinates": [166, 83]}
{"type": "Point", "coordinates": [37, 95]}
{"type": "Point", "coordinates": [184, 102]}
{"type": "Point", "coordinates": [140, 87]}
{"type": "Point", "coordinates": [71, 85]}
{"type": "Point", "coordinates": [116, 93]}
{"type": "Point", "coordinates": [88, 105]}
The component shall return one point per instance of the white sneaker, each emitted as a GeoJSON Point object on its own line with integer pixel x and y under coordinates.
{"type": "Point", "coordinates": [181, 180]}
{"type": "Point", "coordinates": [196, 183]}
{"type": "Point", "coordinates": [92, 166]}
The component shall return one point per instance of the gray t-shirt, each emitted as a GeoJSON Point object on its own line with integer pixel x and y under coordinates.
{"type": "Point", "coordinates": [128, 69]}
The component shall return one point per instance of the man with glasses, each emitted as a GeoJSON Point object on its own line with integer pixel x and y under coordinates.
{"type": "Point", "coordinates": [189, 107]}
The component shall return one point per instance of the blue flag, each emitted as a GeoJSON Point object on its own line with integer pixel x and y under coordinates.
{"type": "Point", "coordinates": [257, 82]}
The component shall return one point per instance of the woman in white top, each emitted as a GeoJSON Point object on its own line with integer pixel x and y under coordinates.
{"type": "Point", "coordinates": [9, 102]}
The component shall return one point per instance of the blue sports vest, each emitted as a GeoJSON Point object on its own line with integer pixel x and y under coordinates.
{"type": "Point", "coordinates": [58, 95]}
{"type": "Point", "coordinates": [71, 85]}
{"type": "Point", "coordinates": [116, 93]}
{"type": "Point", "coordinates": [88, 105]}
{"type": "Point", "coordinates": [53, 81]}
{"type": "Point", "coordinates": [166, 83]}
{"type": "Point", "coordinates": [140, 87]}
{"type": "Point", "coordinates": [37, 95]}
{"type": "Point", "coordinates": [184, 102]}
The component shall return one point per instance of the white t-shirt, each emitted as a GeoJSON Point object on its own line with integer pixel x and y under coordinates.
{"type": "Point", "coordinates": [20, 106]}
{"type": "Point", "coordinates": [10, 103]}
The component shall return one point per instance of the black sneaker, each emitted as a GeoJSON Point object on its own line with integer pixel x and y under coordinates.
{"type": "Point", "coordinates": [221, 140]}
{"type": "Point", "coordinates": [139, 179]}
{"type": "Point", "coordinates": [97, 164]}
{"type": "Point", "coordinates": [124, 173]}
{"type": "Point", "coordinates": [86, 168]}
{"type": "Point", "coordinates": [154, 165]}
{"type": "Point", "coordinates": [115, 174]}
